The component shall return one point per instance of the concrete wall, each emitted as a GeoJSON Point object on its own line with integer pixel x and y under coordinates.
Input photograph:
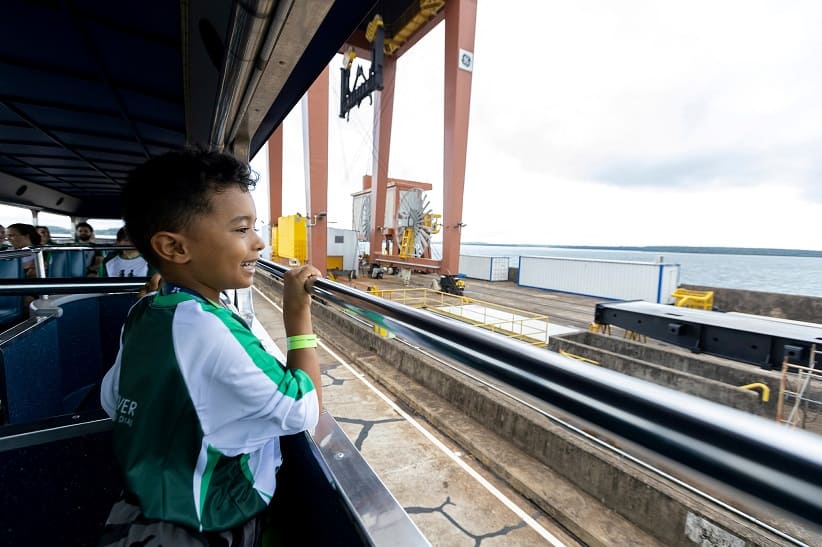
{"type": "Point", "coordinates": [649, 502]}
{"type": "Point", "coordinates": [785, 306]}
{"type": "Point", "coordinates": [588, 345]}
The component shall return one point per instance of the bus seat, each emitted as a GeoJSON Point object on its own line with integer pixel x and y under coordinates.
{"type": "Point", "coordinates": [30, 370]}
{"type": "Point", "coordinates": [79, 338]}
{"type": "Point", "coordinates": [56, 365]}
{"type": "Point", "coordinates": [69, 263]}
{"type": "Point", "coordinates": [11, 307]}
{"type": "Point", "coordinates": [57, 492]}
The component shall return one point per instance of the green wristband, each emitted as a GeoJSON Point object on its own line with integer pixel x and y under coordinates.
{"type": "Point", "coordinates": [301, 341]}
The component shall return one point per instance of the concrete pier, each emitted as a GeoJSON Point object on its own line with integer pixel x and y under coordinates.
{"type": "Point", "coordinates": [599, 494]}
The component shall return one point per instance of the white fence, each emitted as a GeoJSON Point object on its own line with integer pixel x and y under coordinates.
{"type": "Point", "coordinates": [489, 268]}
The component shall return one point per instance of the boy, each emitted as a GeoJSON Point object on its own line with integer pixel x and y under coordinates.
{"type": "Point", "coordinates": [128, 263]}
{"type": "Point", "coordinates": [198, 405]}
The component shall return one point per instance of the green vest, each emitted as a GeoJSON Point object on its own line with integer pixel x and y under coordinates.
{"type": "Point", "coordinates": [198, 408]}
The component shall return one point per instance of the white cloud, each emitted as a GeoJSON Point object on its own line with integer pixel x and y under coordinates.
{"type": "Point", "coordinates": [628, 123]}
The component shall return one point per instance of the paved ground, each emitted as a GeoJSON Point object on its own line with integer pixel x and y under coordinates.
{"type": "Point", "coordinates": [451, 498]}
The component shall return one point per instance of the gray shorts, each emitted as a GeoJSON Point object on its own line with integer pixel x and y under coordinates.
{"type": "Point", "coordinates": [126, 527]}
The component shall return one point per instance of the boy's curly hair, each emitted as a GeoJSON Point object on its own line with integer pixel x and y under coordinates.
{"type": "Point", "coordinates": [168, 192]}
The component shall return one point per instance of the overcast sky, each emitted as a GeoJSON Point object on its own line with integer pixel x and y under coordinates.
{"type": "Point", "coordinates": [611, 123]}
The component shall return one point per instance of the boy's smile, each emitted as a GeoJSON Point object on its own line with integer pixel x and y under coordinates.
{"type": "Point", "coordinates": [221, 246]}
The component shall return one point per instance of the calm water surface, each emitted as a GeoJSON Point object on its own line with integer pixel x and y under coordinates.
{"type": "Point", "coordinates": [781, 274]}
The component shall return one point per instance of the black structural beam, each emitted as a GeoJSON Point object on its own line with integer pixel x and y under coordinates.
{"type": "Point", "coordinates": [753, 339]}
{"type": "Point", "coordinates": [353, 96]}
{"type": "Point", "coordinates": [774, 464]}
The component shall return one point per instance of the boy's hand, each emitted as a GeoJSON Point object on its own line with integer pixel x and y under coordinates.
{"type": "Point", "coordinates": [297, 299]}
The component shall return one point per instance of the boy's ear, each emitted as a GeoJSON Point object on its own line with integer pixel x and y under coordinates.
{"type": "Point", "coordinates": [170, 246]}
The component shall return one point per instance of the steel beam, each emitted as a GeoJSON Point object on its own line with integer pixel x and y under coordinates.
{"type": "Point", "coordinates": [753, 339]}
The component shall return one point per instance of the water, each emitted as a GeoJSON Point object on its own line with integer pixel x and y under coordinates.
{"type": "Point", "coordinates": [780, 274]}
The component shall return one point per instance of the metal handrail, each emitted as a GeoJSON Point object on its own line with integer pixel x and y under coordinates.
{"type": "Point", "coordinates": [34, 249]}
{"type": "Point", "coordinates": [17, 253]}
{"type": "Point", "coordinates": [79, 285]}
{"type": "Point", "coordinates": [760, 458]}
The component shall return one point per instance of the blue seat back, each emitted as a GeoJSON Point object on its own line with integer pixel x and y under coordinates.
{"type": "Point", "coordinates": [69, 263]}
{"type": "Point", "coordinates": [55, 366]}
{"type": "Point", "coordinates": [30, 366]}
{"type": "Point", "coordinates": [60, 490]}
{"type": "Point", "coordinates": [11, 307]}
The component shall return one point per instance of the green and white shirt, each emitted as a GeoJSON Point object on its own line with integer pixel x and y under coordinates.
{"type": "Point", "coordinates": [198, 407]}
{"type": "Point", "coordinates": [115, 265]}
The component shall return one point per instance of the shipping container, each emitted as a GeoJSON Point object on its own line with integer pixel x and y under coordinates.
{"type": "Point", "coordinates": [489, 268]}
{"type": "Point", "coordinates": [342, 244]}
{"type": "Point", "coordinates": [612, 279]}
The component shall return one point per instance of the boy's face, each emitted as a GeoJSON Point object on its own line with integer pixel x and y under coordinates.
{"type": "Point", "coordinates": [222, 245]}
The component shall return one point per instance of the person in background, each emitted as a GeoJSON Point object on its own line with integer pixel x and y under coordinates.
{"type": "Point", "coordinates": [45, 236]}
{"type": "Point", "coordinates": [3, 243]}
{"type": "Point", "coordinates": [127, 263]}
{"type": "Point", "coordinates": [46, 241]}
{"type": "Point", "coordinates": [84, 235]}
{"type": "Point", "coordinates": [23, 236]}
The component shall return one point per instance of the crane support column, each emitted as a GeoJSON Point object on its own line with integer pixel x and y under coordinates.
{"type": "Point", "coordinates": [383, 114]}
{"type": "Point", "coordinates": [275, 175]}
{"type": "Point", "coordinates": [315, 136]}
{"type": "Point", "coordinates": [460, 22]}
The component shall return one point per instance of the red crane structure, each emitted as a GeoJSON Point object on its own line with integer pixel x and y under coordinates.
{"type": "Point", "coordinates": [401, 25]}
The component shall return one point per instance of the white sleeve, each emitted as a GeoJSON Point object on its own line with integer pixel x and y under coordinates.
{"type": "Point", "coordinates": [242, 395]}
{"type": "Point", "coordinates": [109, 389]}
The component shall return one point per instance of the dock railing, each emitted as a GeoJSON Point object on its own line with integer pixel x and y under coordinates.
{"type": "Point", "coordinates": [768, 462]}
{"type": "Point", "coordinates": [800, 395]}
{"type": "Point", "coordinates": [517, 324]}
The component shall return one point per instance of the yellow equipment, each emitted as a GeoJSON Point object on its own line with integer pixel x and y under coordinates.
{"type": "Point", "coordinates": [289, 239]}
{"type": "Point", "coordinates": [407, 244]}
{"type": "Point", "coordinates": [686, 298]}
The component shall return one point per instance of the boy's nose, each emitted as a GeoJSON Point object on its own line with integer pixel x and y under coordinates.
{"type": "Point", "coordinates": [260, 243]}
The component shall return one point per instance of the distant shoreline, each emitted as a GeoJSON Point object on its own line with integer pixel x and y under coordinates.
{"type": "Point", "coordinates": [670, 249]}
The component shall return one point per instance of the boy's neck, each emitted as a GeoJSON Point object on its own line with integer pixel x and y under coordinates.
{"type": "Point", "coordinates": [174, 279]}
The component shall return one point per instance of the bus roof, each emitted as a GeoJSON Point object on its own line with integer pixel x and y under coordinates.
{"type": "Point", "coordinates": [89, 90]}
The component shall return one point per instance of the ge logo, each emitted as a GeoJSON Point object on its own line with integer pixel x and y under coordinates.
{"type": "Point", "coordinates": [466, 60]}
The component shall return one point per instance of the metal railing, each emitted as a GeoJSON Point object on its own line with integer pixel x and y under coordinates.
{"type": "Point", "coordinates": [69, 285]}
{"type": "Point", "coordinates": [38, 253]}
{"type": "Point", "coordinates": [777, 465]}
{"type": "Point", "coordinates": [771, 463]}
{"type": "Point", "coordinates": [517, 324]}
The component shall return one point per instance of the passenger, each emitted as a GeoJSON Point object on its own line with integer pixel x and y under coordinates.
{"type": "Point", "coordinates": [46, 241]}
{"type": "Point", "coordinates": [198, 405]}
{"type": "Point", "coordinates": [127, 263]}
{"type": "Point", "coordinates": [45, 236]}
{"type": "Point", "coordinates": [84, 235]}
{"type": "Point", "coordinates": [3, 243]}
{"type": "Point", "coordinates": [23, 236]}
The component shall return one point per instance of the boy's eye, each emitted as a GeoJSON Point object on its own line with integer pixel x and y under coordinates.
{"type": "Point", "coordinates": [243, 230]}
